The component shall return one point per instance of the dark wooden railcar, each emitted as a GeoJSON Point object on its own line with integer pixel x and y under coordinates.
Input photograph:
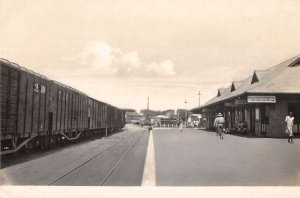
{"type": "Point", "coordinates": [24, 105]}
{"type": "Point", "coordinates": [68, 111]}
{"type": "Point", "coordinates": [36, 111]}
{"type": "Point", "coordinates": [121, 119]}
{"type": "Point", "coordinates": [103, 116]}
{"type": "Point", "coordinates": [96, 115]}
{"type": "Point", "coordinates": [115, 118]}
{"type": "Point", "coordinates": [111, 117]}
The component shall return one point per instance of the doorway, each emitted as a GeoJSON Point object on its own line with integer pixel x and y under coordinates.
{"type": "Point", "coordinates": [50, 122]}
{"type": "Point", "coordinates": [252, 120]}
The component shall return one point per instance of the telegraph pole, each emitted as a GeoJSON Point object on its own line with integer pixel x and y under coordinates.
{"type": "Point", "coordinates": [148, 104]}
{"type": "Point", "coordinates": [199, 94]}
{"type": "Point", "coordinates": [185, 111]}
{"type": "Point", "coordinates": [147, 115]}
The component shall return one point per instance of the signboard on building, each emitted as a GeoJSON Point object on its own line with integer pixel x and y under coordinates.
{"type": "Point", "coordinates": [261, 99]}
{"type": "Point", "coordinates": [240, 101]}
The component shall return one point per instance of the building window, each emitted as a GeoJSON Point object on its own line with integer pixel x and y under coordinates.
{"type": "Point", "coordinates": [257, 114]}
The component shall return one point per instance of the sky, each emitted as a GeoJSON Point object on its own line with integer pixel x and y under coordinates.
{"type": "Point", "coordinates": [121, 52]}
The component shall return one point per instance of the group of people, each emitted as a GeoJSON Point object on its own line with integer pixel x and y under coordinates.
{"type": "Point", "coordinates": [150, 128]}
{"type": "Point", "coordinates": [220, 122]}
{"type": "Point", "coordinates": [219, 125]}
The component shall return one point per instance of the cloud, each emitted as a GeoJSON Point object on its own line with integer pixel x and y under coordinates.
{"type": "Point", "coordinates": [99, 56]}
{"type": "Point", "coordinates": [165, 68]}
{"type": "Point", "coordinates": [103, 59]}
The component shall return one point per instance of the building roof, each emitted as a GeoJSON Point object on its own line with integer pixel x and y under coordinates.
{"type": "Point", "coordinates": [161, 116]}
{"type": "Point", "coordinates": [282, 79]}
{"type": "Point", "coordinates": [229, 93]}
{"type": "Point", "coordinates": [221, 91]}
{"type": "Point", "coordinates": [236, 84]}
{"type": "Point", "coordinates": [258, 75]}
{"type": "Point", "coordinates": [128, 110]}
{"type": "Point", "coordinates": [133, 114]}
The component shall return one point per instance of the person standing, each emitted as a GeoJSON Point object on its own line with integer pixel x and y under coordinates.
{"type": "Point", "coordinates": [180, 127]}
{"type": "Point", "coordinates": [289, 119]}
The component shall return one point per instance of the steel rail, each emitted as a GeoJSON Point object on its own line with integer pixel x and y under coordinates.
{"type": "Point", "coordinates": [93, 157]}
{"type": "Point", "coordinates": [119, 161]}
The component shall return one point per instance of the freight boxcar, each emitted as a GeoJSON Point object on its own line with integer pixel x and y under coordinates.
{"type": "Point", "coordinates": [24, 104]}
{"type": "Point", "coordinates": [115, 118]}
{"type": "Point", "coordinates": [36, 111]}
{"type": "Point", "coordinates": [104, 117]}
{"type": "Point", "coordinates": [96, 116]}
{"type": "Point", "coordinates": [68, 115]}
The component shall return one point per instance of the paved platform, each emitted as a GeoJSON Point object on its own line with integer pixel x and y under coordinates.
{"type": "Point", "coordinates": [200, 158]}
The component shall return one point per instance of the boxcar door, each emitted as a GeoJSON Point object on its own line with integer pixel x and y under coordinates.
{"type": "Point", "coordinates": [50, 122]}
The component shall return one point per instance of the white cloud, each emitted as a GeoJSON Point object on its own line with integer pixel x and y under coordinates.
{"type": "Point", "coordinates": [165, 68]}
{"type": "Point", "coordinates": [98, 56]}
{"type": "Point", "coordinates": [103, 59]}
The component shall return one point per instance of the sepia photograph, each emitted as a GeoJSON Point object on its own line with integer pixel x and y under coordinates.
{"type": "Point", "coordinates": [150, 98]}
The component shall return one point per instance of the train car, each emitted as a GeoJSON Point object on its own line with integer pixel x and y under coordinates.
{"type": "Point", "coordinates": [104, 117]}
{"type": "Point", "coordinates": [24, 105]}
{"type": "Point", "coordinates": [68, 114]}
{"type": "Point", "coordinates": [120, 119]}
{"type": "Point", "coordinates": [112, 117]}
{"type": "Point", "coordinates": [96, 116]}
{"type": "Point", "coordinates": [36, 111]}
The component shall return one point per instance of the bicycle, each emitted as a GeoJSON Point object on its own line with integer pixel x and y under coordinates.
{"type": "Point", "coordinates": [220, 131]}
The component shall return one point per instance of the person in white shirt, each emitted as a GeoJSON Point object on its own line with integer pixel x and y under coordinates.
{"type": "Point", "coordinates": [289, 126]}
{"type": "Point", "coordinates": [219, 124]}
{"type": "Point", "coordinates": [180, 127]}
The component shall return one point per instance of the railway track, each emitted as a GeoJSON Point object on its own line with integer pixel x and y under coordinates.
{"type": "Point", "coordinates": [136, 138]}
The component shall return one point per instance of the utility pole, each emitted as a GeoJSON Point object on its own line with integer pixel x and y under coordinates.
{"type": "Point", "coordinates": [147, 115]}
{"type": "Point", "coordinates": [199, 94]}
{"type": "Point", "coordinates": [185, 111]}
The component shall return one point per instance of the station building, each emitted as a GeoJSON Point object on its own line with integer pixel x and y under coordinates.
{"type": "Point", "coordinates": [261, 101]}
{"type": "Point", "coordinates": [132, 116]}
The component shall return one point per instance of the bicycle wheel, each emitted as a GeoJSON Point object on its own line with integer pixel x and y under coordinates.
{"type": "Point", "coordinates": [221, 135]}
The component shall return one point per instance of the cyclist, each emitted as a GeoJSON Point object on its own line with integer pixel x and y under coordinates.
{"type": "Point", "coordinates": [219, 124]}
{"type": "Point", "coordinates": [150, 128]}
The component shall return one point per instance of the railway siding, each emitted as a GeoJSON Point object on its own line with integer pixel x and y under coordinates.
{"type": "Point", "coordinates": [47, 169]}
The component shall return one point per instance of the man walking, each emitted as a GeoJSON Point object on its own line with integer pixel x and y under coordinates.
{"type": "Point", "coordinates": [289, 126]}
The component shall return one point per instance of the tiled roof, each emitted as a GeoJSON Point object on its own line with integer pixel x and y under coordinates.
{"type": "Point", "coordinates": [133, 114]}
{"type": "Point", "coordinates": [282, 78]}
{"type": "Point", "coordinates": [236, 84]}
{"type": "Point", "coordinates": [288, 81]}
{"type": "Point", "coordinates": [258, 75]}
{"type": "Point", "coordinates": [221, 91]}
